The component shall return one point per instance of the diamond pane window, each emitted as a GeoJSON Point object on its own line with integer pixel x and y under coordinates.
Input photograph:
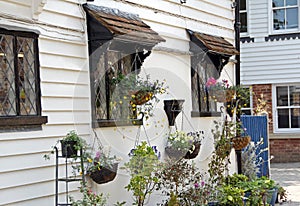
{"type": "Point", "coordinates": [19, 78]}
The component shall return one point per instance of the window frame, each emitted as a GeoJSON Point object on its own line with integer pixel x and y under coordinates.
{"type": "Point", "coordinates": [245, 33]}
{"type": "Point", "coordinates": [271, 19]}
{"type": "Point", "coordinates": [195, 70]}
{"type": "Point", "coordinates": [111, 122]}
{"type": "Point", "coordinates": [19, 121]}
{"type": "Point", "coordinates": [275, 110]}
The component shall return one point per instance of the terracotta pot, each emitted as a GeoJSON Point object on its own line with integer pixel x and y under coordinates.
{"type": "Point", "coordinates": [140, 97]}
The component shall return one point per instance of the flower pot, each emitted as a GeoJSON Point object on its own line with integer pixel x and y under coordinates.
{"type": "Point", "coordinates": [172, 109]}
{"type": "Point", "coordinates": [240, 142]}
{"type": "Point", "coordinates": [271, 196]}
{"type": "Point", "coordinates": [104, 175]}
{"type": "Point", "coordinates": [194, 153]}
{"type": "Point", "coordinates": [174, 153]}
{"type": "Point", "coordinates": [68, 148]}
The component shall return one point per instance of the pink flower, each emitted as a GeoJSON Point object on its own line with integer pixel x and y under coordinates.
{"type": "Point", "coordinates": [211, 82]}
{"type": "Point", "coordinates": [196, 185]}
{"type": "Point", "coordinates": [202, 183]}
{"type": "Point", "coordinates": [98, 154]}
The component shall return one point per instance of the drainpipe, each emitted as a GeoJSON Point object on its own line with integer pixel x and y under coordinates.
{"type": "Point", "coordinates": [237, 26]}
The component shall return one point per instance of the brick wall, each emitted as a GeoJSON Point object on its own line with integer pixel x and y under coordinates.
{"type": "Point", "coordinates": [285, 150]}
{"type": "Point", "coordinates": [266, 91]}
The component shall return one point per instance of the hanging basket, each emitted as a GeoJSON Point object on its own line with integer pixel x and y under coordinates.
{"type": "Point", "coordinates": [104, 175]}
{"type": "Point", "coordinates": [222, 95]}
{"type": "Point", "coordinates": [140, 97]}
{"type": "Point", "coordinates": [68, 148]}
{"type": "Point", "coordinates": [240, 142]}
{"type": "Point", "coordinates": [174, 153]}
{"type": "Point", "coordinates": [194, 153]}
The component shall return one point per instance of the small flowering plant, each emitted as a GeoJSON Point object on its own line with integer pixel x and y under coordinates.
{"type": "Point", "coordinates": [213, 84]}
{"type": "Point", "coordinates": [102, 158]}
{"type": "Point", "coordinates": [89, 197]}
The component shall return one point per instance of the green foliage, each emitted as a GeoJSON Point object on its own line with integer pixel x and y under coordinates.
{"type": "Point", "coordinates": [71, 136]}
{"type": "Point", "coordinates": [89, 198]}
{"type": "Point", "coordinates": [142, 166]}
{"type": "Point", "coordinates": [230, 195]}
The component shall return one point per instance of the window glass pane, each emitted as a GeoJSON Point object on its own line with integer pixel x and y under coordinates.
{"type": "Point", "coordinates": [243, 5]}
{"type": "Point", "coordinates": [246, 111]}
{"type": "Point", "coordinates": [7, 77]}
{"type": "Point", "coordinates": [243, 17]}
{"type": "Point", "coordinates": [26, 71]}
{"type": "Point", "coordinates": [291, 2]}
{"type": "Point", "coordinates": [279, 20]}
{"type": "Point", "coordinates": [295, 113]}
{"type": "Point", "coordinates": [292, 18]}
{"type": "Point", "coordinates": [277, 3]}
{"type": "Point", "coordinates": [283, 118]}
{"type": "Point", "coordinates": [100, 89]}
{"type": "Point", "coordinates": [282, 96]}
{"type": "Point", "coordinates": [295, 96]}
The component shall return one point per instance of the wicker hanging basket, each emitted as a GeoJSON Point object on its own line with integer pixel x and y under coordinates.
{"type": "Point", "coordinates": [104, 175]}
{"type": "Point", "coordinates": [174, 153]}
{"type": "Point", "coordinates": [240, 142]}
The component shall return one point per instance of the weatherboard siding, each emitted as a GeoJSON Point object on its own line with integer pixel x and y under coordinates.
{"type": "Point", "coordinates": [25, 177]}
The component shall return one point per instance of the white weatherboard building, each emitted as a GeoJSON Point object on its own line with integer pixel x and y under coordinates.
{"type": "Point", "coordinates": [270, 63]}
{"type": "Point", "coordinates": [49, 81]}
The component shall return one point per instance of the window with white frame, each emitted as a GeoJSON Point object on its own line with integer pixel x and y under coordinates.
{"type": "Point", "coordinates": [288, 107]}
{"type": "Point", "coordinates": [243, 15]}
{"type": "Point", "coordinates": [285, 14]}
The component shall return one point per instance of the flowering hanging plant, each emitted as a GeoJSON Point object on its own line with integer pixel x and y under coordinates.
{"type": "Point", "coordinates": [102, 158]}
{"type": "Point", "coordinates": [182, 141]}
{"type": "Point", "coordinates": [140, 93]}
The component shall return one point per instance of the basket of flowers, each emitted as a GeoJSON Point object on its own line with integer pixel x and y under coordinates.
{"type": "Point", "coordinates": [103, 167]}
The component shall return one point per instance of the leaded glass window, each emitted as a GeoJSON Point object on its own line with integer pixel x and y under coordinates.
{"type": "Point", "coordinates": [19, 79]}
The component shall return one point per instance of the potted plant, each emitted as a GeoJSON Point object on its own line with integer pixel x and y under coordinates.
{"type": "Point", "coordinates": [103, 167]}
{"type": "Point", "coordinates": [142, 167]}
{"type": "Point", "coordinates": [183, 145]}
{"type": "Point", "coordinates": [70, 145]}
{"type": "Point", "coordinates": [136, 93]}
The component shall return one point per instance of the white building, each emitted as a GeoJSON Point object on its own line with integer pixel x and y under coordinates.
{"type": "Point", "coordinates": [46, 82]}
{"type": "Point", "coordinates": [270, 63]}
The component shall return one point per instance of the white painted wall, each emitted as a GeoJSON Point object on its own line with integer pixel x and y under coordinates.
{"type": "Point", "coordinates": [26, 179]}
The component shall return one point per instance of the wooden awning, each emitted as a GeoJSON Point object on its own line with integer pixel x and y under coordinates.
{"type": "Point", "coordinates": [212, 44]}
{"type": "Point", "coordinates": [109, 23]}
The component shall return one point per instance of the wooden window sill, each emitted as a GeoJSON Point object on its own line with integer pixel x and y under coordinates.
{"type": "Point", "coordinates": [116, 123]}
{"type": "Point", "coordinates": [205, 114]}
{"type": "Point", "coordinates": [18, 123]}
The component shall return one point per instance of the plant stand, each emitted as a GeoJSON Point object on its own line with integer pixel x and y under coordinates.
{"type": "Point", "coordinates": [66, 179]}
